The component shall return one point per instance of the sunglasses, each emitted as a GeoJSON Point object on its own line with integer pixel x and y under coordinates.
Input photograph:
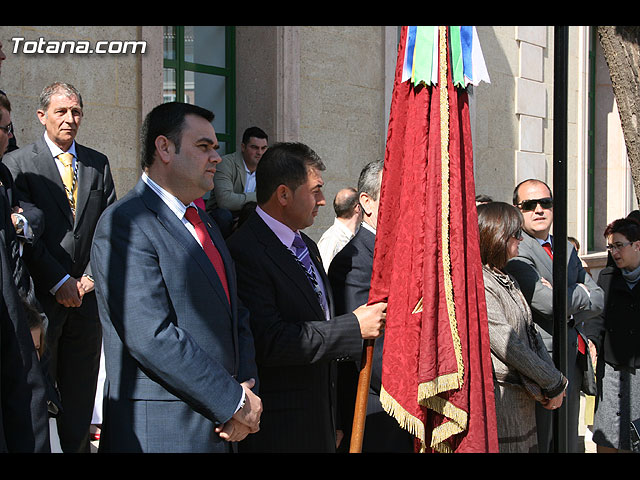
{"type": "Point", "coordinates": [530, 205]}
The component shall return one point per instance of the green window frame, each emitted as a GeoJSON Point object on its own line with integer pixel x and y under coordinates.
{"type": "Point", "coordinates": [177, 69]}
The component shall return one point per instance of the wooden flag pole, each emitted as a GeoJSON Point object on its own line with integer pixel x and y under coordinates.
{"type": "Point", "coordinates": [362, 396]}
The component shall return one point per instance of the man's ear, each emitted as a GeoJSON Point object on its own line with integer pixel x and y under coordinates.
{"type": "Point", "coordinates": [164, 148]}
{"type": "Point", "coordinates": [42, 115]}
{"type": "Point", "coordinates": [284, 195]}
{"type": "Point", "coordinates": [364, 203]}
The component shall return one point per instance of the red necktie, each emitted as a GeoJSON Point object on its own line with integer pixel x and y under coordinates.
{"type": "Point", "coordinates": [582, 348]}
{"type": "Point", "coordinates": [208, 246]}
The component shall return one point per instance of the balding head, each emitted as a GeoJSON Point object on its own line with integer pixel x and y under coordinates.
{"type": "Point", "coordinates": [345, 203]}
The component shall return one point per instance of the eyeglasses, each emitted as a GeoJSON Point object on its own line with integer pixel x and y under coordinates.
{"type": "Point", "coordinates": [530, 205]}
{"type": "Point", "coordinates": [7, 129]}
{"type": "Point", "coordinates": [617, 246]}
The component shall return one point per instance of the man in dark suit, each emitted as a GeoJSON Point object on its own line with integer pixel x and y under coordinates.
{"type": "Point", "coordinates": [533, 269]}
{"type": "Point", "coordinates": [282, 282]}
{"type": "Point", "coordinates": [72, 185]}
{"type": "Point", "coordinates": [350, 277]}
{"type": "Point", "coordinates": [24, 423]}
{"type": "Point", "coordinates": [178, 350]}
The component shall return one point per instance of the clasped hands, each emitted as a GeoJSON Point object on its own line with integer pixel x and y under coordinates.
{"type": "Point", "coordinates": [72, 290]}
{"type": "Point", "coordinates": [244, 421]}
{"type": "Point", "coordinates": [555, 402]}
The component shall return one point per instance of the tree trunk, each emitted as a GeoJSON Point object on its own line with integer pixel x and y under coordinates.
{"type": "Point", "coordinates": [621, 45]}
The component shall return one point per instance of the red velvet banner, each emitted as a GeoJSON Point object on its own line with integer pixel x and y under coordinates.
{"type": "Point", "coordinates": [436, 372]}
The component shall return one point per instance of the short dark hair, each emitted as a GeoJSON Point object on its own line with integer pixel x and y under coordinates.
{"type": "Point", "coordinates": [497, 222]}
{"type": "Point", "coordinates": [481, 198]}
{"type": "Point", "coordinates": [369, 180]}
{"type": "Point", "coordinates": [345, 204]}
{"type": "Point", "coordinates": [629, 227]}
{"type": "Point", "coordinates": [635, 214]}
{"type": "Point", "coordinates": [255, 132]}
{"type": "Point", "coordinates": [167, 119]}
{"type": "Point", "coordinates": [575, 242]}
{"type": "Point", "coordinates": [5, 103]}
{"type": "Point", "coordinates": [284, 163]}
{"type": "Point", "coordinates": [529, 180]}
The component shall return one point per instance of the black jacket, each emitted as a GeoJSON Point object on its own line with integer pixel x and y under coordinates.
{"type": "Point", "coordinates": [616, 331]}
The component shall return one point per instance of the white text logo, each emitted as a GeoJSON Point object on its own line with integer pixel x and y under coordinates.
{"type": "Point", "coordinates": [113, 47]}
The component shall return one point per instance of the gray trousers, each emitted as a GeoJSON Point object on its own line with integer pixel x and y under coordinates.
{"type": "Point", "coordinates": [544, 417]}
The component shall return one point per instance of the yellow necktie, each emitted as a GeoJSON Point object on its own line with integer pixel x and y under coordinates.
{"type": "Point", "coordinates": [69, 179]}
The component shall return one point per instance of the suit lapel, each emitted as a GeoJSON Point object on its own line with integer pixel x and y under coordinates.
{"type": "Point", "coordinates": [367, 238]}
{"type": "Point", "coordinates": [283, 260]}
{"type": "Point", "coordinates": [218, 241]}
{"type": "Point", "coordinates": [84, 181]}
{"type": "Point", "coordinates": [317, 261]}
{"type": "Point", "coordinates": [179, 232]}
{"type": "Point", "coordinates": [544, 264]}
{"type": "Point", "coordinates": [240, 166]}
{"type": "Point", "coordinates": [49, 171]}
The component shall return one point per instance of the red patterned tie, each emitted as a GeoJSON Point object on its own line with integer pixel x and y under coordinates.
{"type": "Point", "coordinates": [547, 248]}
{"type": "Point", "coordinates": [208, 246]}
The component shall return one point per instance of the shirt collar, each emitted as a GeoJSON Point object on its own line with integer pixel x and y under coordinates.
{"type": "Point", "coordinates": [174, 204]}
{"type": "Point", "coordinates": [284, 233]}
{"type": "Point", "coordinates": [56, 150]}
{"type": "Point", "coordinates": [548, 240]}
{"type": "Point", "coordinates": [369, 227]}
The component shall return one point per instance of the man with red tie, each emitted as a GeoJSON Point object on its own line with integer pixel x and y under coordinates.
{"type": "Point", "coordinates": [178, 350]}
{"type": "Point", "coordinates": [533, 269]}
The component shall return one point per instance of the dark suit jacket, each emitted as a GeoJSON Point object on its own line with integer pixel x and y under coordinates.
{"type": "Point", "coordinates": [350, 277]}
{"type": "Point", "coordinates": [296, 347]}
{"type": "Point", "coordinates": [615, 330]}
{"type": "Point", "coordinates": [175, 349]}
{"type": "Point", "coordinates": [66, 244]}
{"type": "Point", "coordinates": [24, 423]}
{"type": "Point", "coordinates": [8, 201]}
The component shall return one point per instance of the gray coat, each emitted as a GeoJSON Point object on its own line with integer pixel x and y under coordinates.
{"type": "Point", "coordinates": [517, 351]}
{"type": "Point", "coordinates": [532, 264]}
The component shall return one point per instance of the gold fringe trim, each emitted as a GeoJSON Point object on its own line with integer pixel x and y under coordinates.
{"type": "Point", "coordinates": [436, 386]}
{"type": "Point", "coordinates": [408, 422]}
{"type": "Point", "coordinates": [428, 392]}
{"type": "Point", "coordinates": [457, 421]}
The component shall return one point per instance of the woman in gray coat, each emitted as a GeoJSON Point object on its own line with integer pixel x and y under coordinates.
{"type": "Point", "coordinates": [523, 369]}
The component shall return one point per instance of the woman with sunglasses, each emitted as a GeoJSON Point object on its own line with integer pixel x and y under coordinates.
{"type": "Point", "coordinates": [524, 372]}
{"type": "Point", "coordinates": [616, 334]}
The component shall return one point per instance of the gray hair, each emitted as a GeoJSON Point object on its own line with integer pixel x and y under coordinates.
{"type": "Point", "coordinates": [369, 181]}
{"type": "Point", "coordinates": [58, 88]}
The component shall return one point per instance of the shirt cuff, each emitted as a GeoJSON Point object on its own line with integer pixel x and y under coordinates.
{"type": "Point", "coordinates": [59, 284]}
